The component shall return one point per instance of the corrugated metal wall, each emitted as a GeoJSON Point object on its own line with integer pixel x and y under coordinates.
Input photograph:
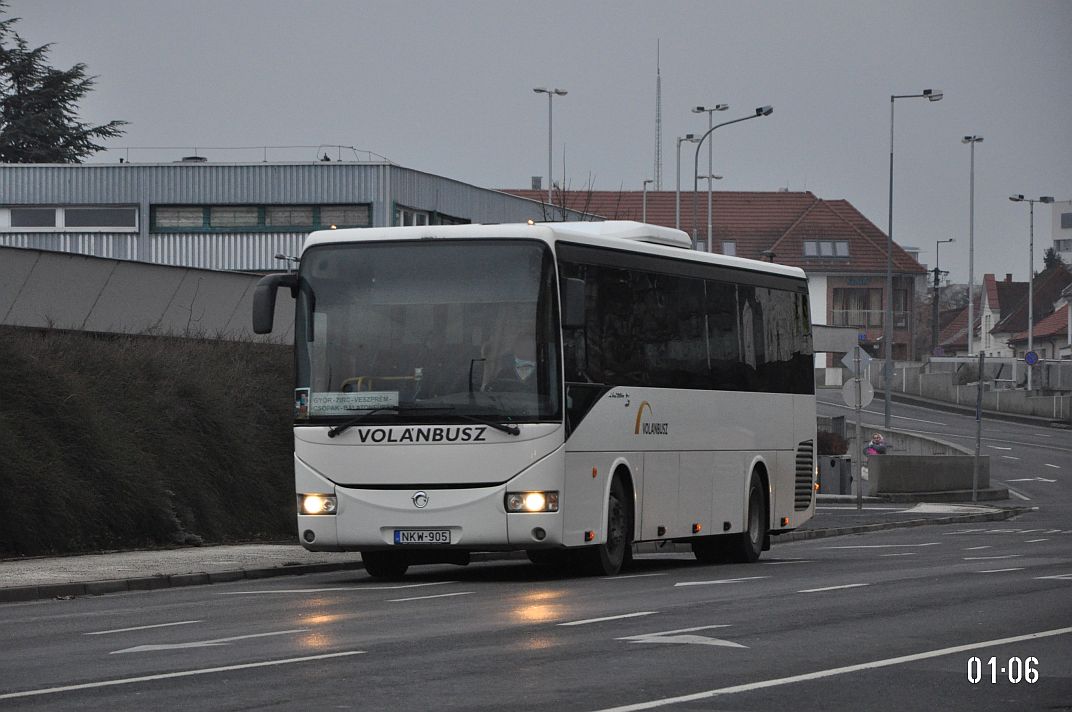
{"type": "Point", "coordinates": [382, 185]}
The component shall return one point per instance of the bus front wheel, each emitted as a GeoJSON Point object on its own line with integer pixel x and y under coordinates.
{"type": "Point", "coordinates": [384, 564]}
{"type": "Point", "coordinates": [745, 548]}
{"type": "Point", "coordinates": [607, 559]}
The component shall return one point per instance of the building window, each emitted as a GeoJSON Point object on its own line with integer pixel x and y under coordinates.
{"type": "Point", "coordinates": [289, 215]}
{"type": "Point", "coordinates": [729, 247]}
{"type": "Point", "coordinates": [100, 217]}
{"type": "Point", "coordinates": [1062, 245]}
{"type": "Point", "coordinates": [409, 216]}
{"type": "Point", "coordinates": [178, 217]}
{"type": "Point", "coordinates": [69, 219]}
{"type": "Point", "coordinates": [1066, 221]}
{"type": "Point", "coordinates": [826, 248]}
{"type": "Point", "coordinates": [857, 307]}
{"type": "Point", "coordinates": [234, 216]}
{"type": "Point", "coordinates": [33, 217]}
{"type": "Point", "coordinates": [345, 216]}
{"type": "Point", "coordinates": [258, 218]}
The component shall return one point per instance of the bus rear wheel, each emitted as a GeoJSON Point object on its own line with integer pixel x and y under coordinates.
{"type": "Point", "coordinates": [607, 559]}
{"type": "Point", "coordinates": [384, 564]}
{"type": "Point", "coordinates": [745, 548]}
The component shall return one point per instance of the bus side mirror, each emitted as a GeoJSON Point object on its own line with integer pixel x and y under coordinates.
{"type": "Point", "coordinates": [572, 303]}
{"type": "Point", "coordinates": [264, 299]}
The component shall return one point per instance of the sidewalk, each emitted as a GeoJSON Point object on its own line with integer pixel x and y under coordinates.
{"type": "Point", "coordinates": [93, 574]}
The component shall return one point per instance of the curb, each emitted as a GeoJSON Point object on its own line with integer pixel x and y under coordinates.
{"type": "Point", "coordinates": [65, 591]}
{"type": "Point", "coordinates": [806, 534]}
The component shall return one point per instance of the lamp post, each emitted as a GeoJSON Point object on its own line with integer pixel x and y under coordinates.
{"type": "Point", "coordinates": [551, 94]}
{"type": "Point", "coordinates": [677, 191]}
{"type": "Point", "coordinates": [644, 203]}
{"type": "Point", "coordinates": [760, 111]}
{"type": "Point", "coordinates": [887, 329]}
{"type": "Point", "coordinates": [710, 111]}
{"type": "Point", "coordinates": [1031, 273]}
{"type": "Point", "coordinates": [971, 140]}
{"type": "Point", "coordinates": [934, 307]}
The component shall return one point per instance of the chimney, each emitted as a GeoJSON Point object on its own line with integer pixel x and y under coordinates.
{"type": "Point", "coordinates": [1008, 278]}
{"type": "Point", "coordinates": [537, 182]}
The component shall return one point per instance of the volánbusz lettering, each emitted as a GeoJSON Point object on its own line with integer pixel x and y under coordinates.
{"type": "Point", "coordinates": [430, 434]}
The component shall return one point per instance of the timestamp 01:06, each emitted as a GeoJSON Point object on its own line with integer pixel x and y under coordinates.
{"type": "Point", "coordinates": [1015, 670]}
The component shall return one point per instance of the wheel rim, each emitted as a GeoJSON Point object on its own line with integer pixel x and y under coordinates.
{"type": "Point", "coordinates": [615, 526]}
{"type": "Point", "coordinates": [753, 517]}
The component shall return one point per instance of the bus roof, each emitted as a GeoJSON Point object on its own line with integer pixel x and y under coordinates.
{"type": "Point", "coordinates": [615, 234]}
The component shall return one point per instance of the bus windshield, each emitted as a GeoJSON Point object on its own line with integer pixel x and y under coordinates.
{"type": "Point", "coordinates": [427, 331]}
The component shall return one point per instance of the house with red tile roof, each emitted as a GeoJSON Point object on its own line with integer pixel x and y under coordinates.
{"type": "Point", "coordinates": [992, 304]}
{"type": "Point", "coordinates": [842, 252]}
{"type": "Point", "coordinates": [1051, 335]}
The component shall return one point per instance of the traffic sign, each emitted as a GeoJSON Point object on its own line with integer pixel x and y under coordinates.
{"type": "Point", "coordinates": [1031, 358]}
{"type": "Point", "coordinates": [867, 392]}
{"type": "Point", "coordinates": [849, 360]}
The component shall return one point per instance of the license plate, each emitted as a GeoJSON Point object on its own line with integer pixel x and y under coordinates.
{"type": "Point", "coordinates": [422, 536]}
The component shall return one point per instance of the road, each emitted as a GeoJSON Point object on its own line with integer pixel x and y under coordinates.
{"type": "Point", "coordinates": [882, 621]}
{"type": "Point", "coordinates": [1034, 462]}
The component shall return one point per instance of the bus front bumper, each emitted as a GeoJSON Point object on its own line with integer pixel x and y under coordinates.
{"type": "Point", "coordinates": [470, 519]}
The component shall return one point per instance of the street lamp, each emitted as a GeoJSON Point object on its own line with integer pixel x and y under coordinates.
{"type": "Point", "coordinates": [934, 307]}
{"type": "Point", "coordinates": [677, 191]}
{"type": "Point", "coordinates": [760, 111]}
{"type": "Point", "coordinates": [887, 328]}
{"type": "Point", "coordinates": [971, 140]}
{"type": "Point", "coordinates": [551, 93]}
{"type": "Point", "coordinates": [644, 208]}
{"type": "Point", "coordinates": [710, 111]}
{"type": "Point", "coordinates": [1031, 274]}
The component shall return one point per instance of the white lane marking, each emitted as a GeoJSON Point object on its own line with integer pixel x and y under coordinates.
{"type": "Point", "coordinates": [1031, 479]}
{"type": "Point", "coordinates": [1058, 577]}
{"type": "Point", "coordinates": [763, 684]}
{"type": "Point", "coordinates": [675, 636]}
{"type": "Point", "coordinates": [610, 618]}
{"type": "Point", "coordinates": [1056, 467]}
{"type": "Point", "coordinates": [788, 561]}
{"type": "Point", "coordinates": [1009, 457]}
{"type": "Point", "coordinates": [1016, 494]}
{"type": "Point", "coordinates": [903, 553]}
{"type": "Point", "coordinates": [882, 546]}
{"type": "Point", "coordinates": [988, 558]}
{"type": "Point", "coordinates": [425, 598]}
{"type": "Point", "coordinates": [998, 447]}
{"type": "Point", "coordinates": [204, 643]}
{"type": "Point", "coordinates": [141, 627]}
{"type": "Point", "coordinates": [833, 588]}
{"type": "Point", "coordinates": [333, 588]}
{"type": "Point", "coordinates": [628, 576]}
{"type": "Point", "coordinates": [998, 571]}
{"type": "Point", "coordinates": [977, 548]}
{"type": "Point", "coordinates": [170, 675]}
{"type": "Point", "coordinates": [1035, 541]}
{"type": "Point", "coordinates": [712, 583]}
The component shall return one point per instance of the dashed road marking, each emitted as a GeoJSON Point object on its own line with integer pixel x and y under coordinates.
{"type": "Point", "coordinates": [834, 588]}
{"type": "Point", "coordinates": [988, 558]}
{"type": "Point", "coordinates": [610, 618]}
{"type": "Point", "coordinates": [425, 598]}
{"type": "Point", "coordinates": [719, 581]}
{"type": "Point", "coordinates": [999, 571]}
{"type": "Point", "coordinates": [141, 627]}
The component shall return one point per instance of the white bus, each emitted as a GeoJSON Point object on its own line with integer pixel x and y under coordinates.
{"type": "Point", "coordinates": [565, 389]}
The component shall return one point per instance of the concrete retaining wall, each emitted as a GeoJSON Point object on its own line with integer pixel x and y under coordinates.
{"type": "Point", "coordinates": [66, 291]}
{"type": "Point", "coordinates": [896, 474]}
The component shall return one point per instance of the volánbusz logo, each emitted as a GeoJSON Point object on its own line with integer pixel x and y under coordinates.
{"type": "Point", "coordinates": [646, 427]}
{"type": "Point", "coordinates": [437, 434]}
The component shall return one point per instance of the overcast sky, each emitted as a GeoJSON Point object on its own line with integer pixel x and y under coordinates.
{"type": "Point", "coordinates": [446, 87]}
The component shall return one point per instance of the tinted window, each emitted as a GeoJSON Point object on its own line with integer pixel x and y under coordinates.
{"type": "Point", "coordinates": [663, 330]}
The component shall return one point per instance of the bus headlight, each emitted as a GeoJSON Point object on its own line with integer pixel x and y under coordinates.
{"type": "Point", "coordinates": [532, 501]}
{"type": "Point", "coordinates": [317, 504]}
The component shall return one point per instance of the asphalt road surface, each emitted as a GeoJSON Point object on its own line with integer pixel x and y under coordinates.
{"type": "Point", "coordinates": [974, 617]}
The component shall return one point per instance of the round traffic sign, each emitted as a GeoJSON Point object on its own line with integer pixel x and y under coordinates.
{"type": "Point", "coordinates": [1031, 358]}
{"type": "Point", "coordinates": [867, 392]}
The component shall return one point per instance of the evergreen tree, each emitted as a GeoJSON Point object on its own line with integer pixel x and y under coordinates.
{"type": "Point", "coordinates": [38, 105]}
{"type": "Point", "coordinates": [1051, 258]}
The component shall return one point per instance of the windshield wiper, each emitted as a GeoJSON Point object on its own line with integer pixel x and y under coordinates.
{"type": "Point", "coordinates": [358, 419]}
